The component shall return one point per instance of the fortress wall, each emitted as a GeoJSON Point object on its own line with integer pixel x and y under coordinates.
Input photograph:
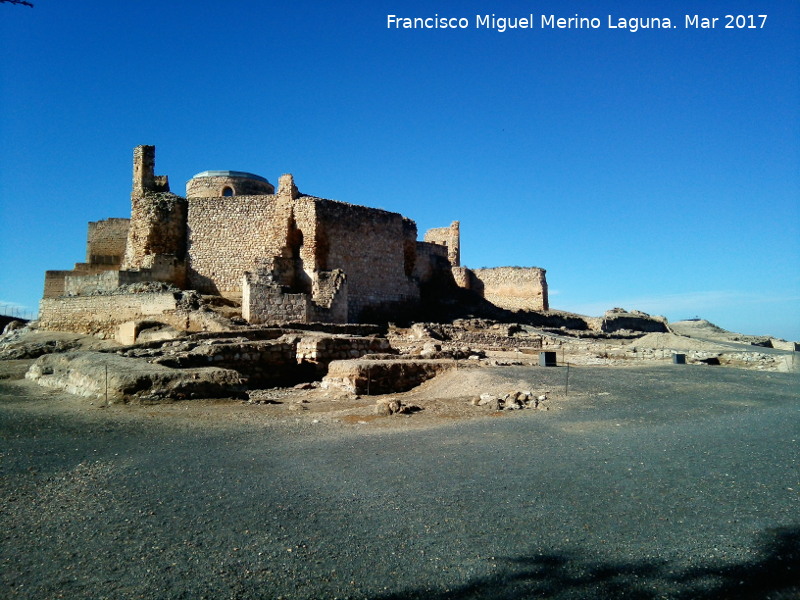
{"type": "Point", "coordinates": [369, 245]}
{"type": "Point", "coordinates": [430, 260]}
{"type": "Point", "coordinates": [513, 288]}
{"type": "Point", "coordinates": [228, 236]}
{"type": "Point", "coordinates": [157, 226]}
{"type": "Point", "coordinates": [55, 283]}
{"type": "Point", "coordinates": [106, 240]}
{"type": "Point", "coordinates": [450, 237]}
{"type": "Point", "coordinates": [101, 315]}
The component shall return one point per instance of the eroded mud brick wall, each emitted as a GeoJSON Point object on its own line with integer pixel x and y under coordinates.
{"type": "Point", "coordinates": [106, 241]}
{"type": "Point", "coordinates": [513, 288]}
{"type": "Point", "coordinates": [370, 246]}
{"type": "Point", "coordinates": [228, 236]}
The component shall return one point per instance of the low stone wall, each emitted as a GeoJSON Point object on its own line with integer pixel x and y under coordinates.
{"type": "Point", "coordinates": [265, 302]}
{"type": "Point", "coordinates": [512, 288]}
{"type": "Point", "coordinates": [321, 351]}
{"type": "Point", "coordinates": [260, 363]}
{"type": "Point", "coordinates": [489, 341]}
{"type": "Point", "coordinates": [382, 376]}
{"type": "Point", "coordinates": [101, 315]}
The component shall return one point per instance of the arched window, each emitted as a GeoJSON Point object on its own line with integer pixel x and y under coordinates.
{"type": "Point", "coordinates": [227, 191]}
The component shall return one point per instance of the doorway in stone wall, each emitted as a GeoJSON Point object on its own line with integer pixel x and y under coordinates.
{"type": "Point", "coordinates": [300, 281]}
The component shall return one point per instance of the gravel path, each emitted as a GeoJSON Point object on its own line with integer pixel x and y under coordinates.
{"type": "Point", "coordinates": [659, 482]}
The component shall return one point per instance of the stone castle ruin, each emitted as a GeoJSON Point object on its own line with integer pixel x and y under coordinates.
{"type": "Point", "coordinates": [282, 255]}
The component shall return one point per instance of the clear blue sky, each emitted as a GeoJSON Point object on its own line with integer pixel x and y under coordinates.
{"type": "Point", "coordinates": [657, 170]}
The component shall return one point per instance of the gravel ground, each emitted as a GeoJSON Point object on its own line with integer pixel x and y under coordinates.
{"type": "Point", "coordinates": [651, 482]}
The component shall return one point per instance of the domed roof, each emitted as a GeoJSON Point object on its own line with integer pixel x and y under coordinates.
{"type": "Point", "coordinates": [231, 174]}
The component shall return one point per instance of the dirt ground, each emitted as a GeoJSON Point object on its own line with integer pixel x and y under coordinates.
{"type": "Point", "coordinates": [445, 398]}
{"type": "Point", "coordinates": [653, 482]}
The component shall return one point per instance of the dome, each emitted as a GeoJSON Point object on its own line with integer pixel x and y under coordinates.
{"type": "Point", "coordinates": [218, 184]}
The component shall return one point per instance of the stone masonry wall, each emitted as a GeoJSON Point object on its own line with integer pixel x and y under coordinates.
{"type": "Point", "coordinates": [158, 227]}
{"type": "Point", "coordinates": [450, 237]}
{"type": "Point", "coordinates": [513, 288]}
{"type": "Point", "coordinates": [265, 302]}
{"type": "Point", "coordinates": [431, 259]}
{"type": "Point", "coordinates": [55, 281]}
{"type": "Point", "coordinates": [321, 350]}
{"type": "Point", "coordinates": [78, 283]}
{"type": "Point", "coordinates": [106, 241]}
{"type": "Point", "coordinates": [369, 246]}
{"type": "Point", "coordinates": [229, 236]}
{"type": "Point", "coordinates": [101, 315]}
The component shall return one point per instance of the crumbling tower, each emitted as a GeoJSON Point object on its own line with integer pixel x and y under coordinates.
{"type": "Point", "coordinates": [449, 237]}
{"type": "Point", "coordinates": [157, 233]}
{"type": "Point", "coordinates": [144, 178]}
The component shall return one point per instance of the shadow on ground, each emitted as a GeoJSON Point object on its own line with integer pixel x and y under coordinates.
{"type": "Point", "coordinates": [773, 575]}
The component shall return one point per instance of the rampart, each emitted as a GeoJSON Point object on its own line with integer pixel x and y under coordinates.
{"type": "Point", "coordinates": [106, 241]}
{"type": "Point", "coordinates": [227, 237]}
{"type": "Point", "coordinates": [368, 245]}
{"type": "Point", "coordinates": [512, 288]}
{"type": "Point", "coordinates": [158, 227]}
{"type": "Point", "coordinates": [450, 238]}
{"type": "Point", "coordinates": [101, 315]}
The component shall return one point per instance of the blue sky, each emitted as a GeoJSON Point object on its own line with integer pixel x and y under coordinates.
{"type": "Point", "coordinates": [657, 170]}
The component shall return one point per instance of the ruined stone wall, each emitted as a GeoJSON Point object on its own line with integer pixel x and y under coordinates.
{"type": "Point", "coordinates": [157, 227]}
{"type": "Point", "coordinates": [463, 277]}
{"type": "Point", "coordinates": [450, 237]}
{"type": "Point", "coordinates": [101, 315]}
{"type": "Point", "coordinates": [265, 302]}
{"type": "Point", "coordinates": [229, 236]}
{"type": "Point", "coordinates": [55, 281]}
{"type": "Point", "coordinates": [106, 241]}
{"type": "Point", "coordinates": [78, 283]}
{"type": "Point", "coordinates": [144, 178]}
{"type": "Point", "coordinates": [321, 350]}
{"type": "Point", "coordinates": [513, 288]}
{"type": "Point", "coordinates": [369, 245]}
{"type": "Point", "coordinates": [266, 363]}
{"type": "Point", "coordinates": [84, 285]}
{"type": "Point", "coordinates": [431, 259]}
{"type": "Point", "coordinates": [329, 297]}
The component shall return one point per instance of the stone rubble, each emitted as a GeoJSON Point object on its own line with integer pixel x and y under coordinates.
{"type": "Point", "coordinates": [514, 400]}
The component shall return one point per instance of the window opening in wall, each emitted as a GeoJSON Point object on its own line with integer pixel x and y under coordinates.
{"type": "Point", "coordinates": [227, 191]}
